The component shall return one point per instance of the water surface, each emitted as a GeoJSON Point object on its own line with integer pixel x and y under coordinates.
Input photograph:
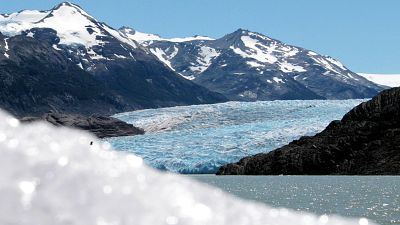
{"type": "Point", "coordinates": [373, 197]}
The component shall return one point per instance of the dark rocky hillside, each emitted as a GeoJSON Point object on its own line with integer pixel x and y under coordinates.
{"type": "Point", "coordinates": [101, 126]}
{"type": "Point", "coordinates": [365, 142]}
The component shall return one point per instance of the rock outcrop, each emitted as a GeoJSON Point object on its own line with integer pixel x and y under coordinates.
{"type": "Point", "coordinates": [365, 142]}
{"type": "Point", "coordinates": [101, 126]}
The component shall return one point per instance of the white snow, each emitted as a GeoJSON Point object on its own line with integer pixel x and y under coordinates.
{"type": "Point", "coordinates": [146, 39]}
{"type": "Point", "coordinates": [336, 63]}
{"type": "Point", "coordinates": [390, 80]}
{"type": "Point", "coordinates": [185, 39]}
{"type": "Point", "coordinates": [6, 48]}
{"type": "Point", "coordinates": [254, 64]}
{"type": "Point", "coordinates": [162, 56]}
{"type": "Point", "coordinates": [206, 55]}
{"type": "Point", "coordinates": [69, 21]}
{"type": "Point", "coordinates": [288, 67]}
{"type": "Point", "coordinates": [52, 175]}
{"type": "Point", "coordinates": [326, 64]}
{"type": "Point", "coordinates": [278, 80]}
{"type": "Point", "coordinates": [255, 51]}
{"type": "Point", "coordinates": [312, 53]}
{"type": "Point", "coordinates": [289, 51]}
{"type": "Point", "coordinates": [30, 34]}
{"type": "Point", "coordinates": [80, 65]}
{"type": "Point", "coordinates": [120, 56]}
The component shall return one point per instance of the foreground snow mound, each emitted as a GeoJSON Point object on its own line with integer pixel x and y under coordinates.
{"type": "Point", "coordinates": [53, 176]}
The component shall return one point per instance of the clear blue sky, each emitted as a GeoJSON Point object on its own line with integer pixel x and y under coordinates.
{"type": "Point", "coordinates": [363, 34]}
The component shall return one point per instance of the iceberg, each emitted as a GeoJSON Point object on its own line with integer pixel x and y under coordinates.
{"type": "Point", "coordinates": [52, 176]}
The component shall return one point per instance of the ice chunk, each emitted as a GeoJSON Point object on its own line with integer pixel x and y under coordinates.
{"type": "Point", "coordinates": [52, 175]}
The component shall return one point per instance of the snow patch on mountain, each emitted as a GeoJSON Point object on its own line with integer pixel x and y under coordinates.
{"type": "Point", "coordinates": [163, 57]}
{"type": "Point", "coordinates": [288, 67]}
{"type": "Point", "coordinates": [6, 48]}
{"type": "Point", "coordinates": [255, 51]}
{"type": "Point", "coordinates": [206, 55]}
{"type": "Point", "coordinates": [278, 80]}
{"type": "Point", "coordinates": [146, 39]}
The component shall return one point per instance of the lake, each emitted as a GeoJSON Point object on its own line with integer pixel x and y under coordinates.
{"type": "Point", "coordinates": [374, 197]}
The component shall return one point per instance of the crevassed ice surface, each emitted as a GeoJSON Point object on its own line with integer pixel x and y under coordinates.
{"type": "Point", "coordinates": [199, 139]}
{"type": "Point", "coordinates": [52, 176]}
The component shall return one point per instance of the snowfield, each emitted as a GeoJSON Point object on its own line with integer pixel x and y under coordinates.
{"type": "Point", "coordinates": [390, 80]}
{"type": "Point", "coordinates": [52, 176]}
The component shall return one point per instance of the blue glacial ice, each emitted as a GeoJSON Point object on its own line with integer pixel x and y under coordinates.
{"type": "Point", "coordinates": [201, 138]}
{"type": "Point", "coordinates": [51, 175]}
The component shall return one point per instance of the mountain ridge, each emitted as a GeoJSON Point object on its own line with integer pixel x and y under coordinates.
{"type": "Point", "coordinates": [216, 64]}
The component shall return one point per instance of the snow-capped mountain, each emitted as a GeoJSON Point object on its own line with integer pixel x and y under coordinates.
{"type": "Point", "coordinates": [67, 40]}
{"type": "Point", "coordinates": [246, 65]}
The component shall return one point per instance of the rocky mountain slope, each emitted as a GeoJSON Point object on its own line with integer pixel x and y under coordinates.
{"type": "Point", "coordinates": [64, 59]}
{"type": "Point", "coordinates": [100, 126]}
{"type": "Point", "coordinates": [249, 66]}
{"type": "Point", "coordinates": [365, 142]}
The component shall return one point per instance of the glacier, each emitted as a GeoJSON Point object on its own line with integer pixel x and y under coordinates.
{"type": "Point", "coordinates": [201, 138]}
{"type": "Point", "coordinates": [51, 175]}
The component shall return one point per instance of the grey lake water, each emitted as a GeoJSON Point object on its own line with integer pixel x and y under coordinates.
{"type": "Point", "coordinates": [374, 197]}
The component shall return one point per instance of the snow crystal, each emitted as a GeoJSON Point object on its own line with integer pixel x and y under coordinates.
{"type": "Point", "coordinates": [79, 184]}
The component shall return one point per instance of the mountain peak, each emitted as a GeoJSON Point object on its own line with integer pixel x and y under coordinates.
{"type": "Point", "coordinates": [67, 4]}
{"type": "Point", "coordinates": [68, 9]}
{"type": "Point", "coordinates": [241, 30]}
